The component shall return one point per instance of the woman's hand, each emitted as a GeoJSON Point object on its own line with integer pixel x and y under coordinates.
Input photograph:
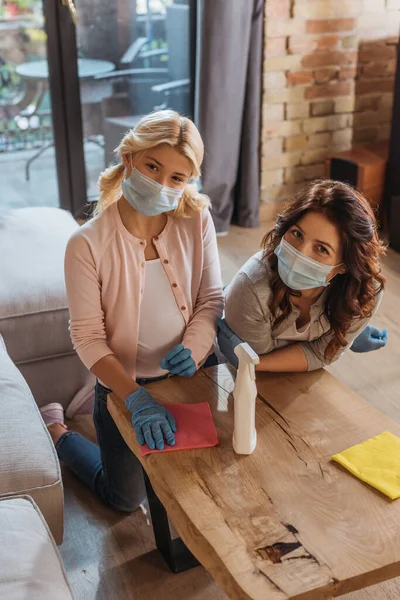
{"type": "Point", "coordinates": [179, 361]}
{"type": "Point", "coordinates": [151, 421]}
{"type": "Point", "coordinates": [371, 338]}
{"type": "Point", "coordinates": [227, 341]}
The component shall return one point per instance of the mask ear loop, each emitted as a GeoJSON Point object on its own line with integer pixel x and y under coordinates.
{"type": "Point", "coordinates": [338, 273]}
{"type": "Point", "coordinates": [133, 166]}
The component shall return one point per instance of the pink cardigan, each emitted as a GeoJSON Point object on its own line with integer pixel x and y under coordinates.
{"type": "Point", "coordinates": [104, 268]}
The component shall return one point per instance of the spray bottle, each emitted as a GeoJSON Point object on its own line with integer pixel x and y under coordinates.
{"type": "Point", "coordinates": [245, 394]}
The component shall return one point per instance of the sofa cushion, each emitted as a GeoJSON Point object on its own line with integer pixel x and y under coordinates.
{"type": "Point", "coordinates": [28, 460]}
{"type": "Point", "coordinates": [33, 304]}
{"type": "Point", "coordinates": [30, 565]}
{"type": "Point", "coordinates": [58, 379]}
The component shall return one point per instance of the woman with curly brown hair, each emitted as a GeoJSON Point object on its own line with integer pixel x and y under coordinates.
{"type": "Point", "coordinates": [310, 292]}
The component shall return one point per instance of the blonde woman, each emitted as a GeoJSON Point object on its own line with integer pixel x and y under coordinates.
{"type": "Point", "coordinates": [144, 294]}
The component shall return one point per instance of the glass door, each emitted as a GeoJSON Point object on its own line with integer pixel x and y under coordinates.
{"type": "Point", "coordinates": [73, 79]}
{"type": "Point", "coordinates": [27, 155]}
{"type": "Point", "coordinates": [134, 56]}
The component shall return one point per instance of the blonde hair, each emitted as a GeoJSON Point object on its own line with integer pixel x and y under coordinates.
{"type": "Point", "coordinates": [161, 127]}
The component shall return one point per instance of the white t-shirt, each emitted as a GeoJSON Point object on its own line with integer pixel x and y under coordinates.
{"type": "Point", "coordinates": [161, 324]}
{"type": "Point", "coordinates": [296, 335]}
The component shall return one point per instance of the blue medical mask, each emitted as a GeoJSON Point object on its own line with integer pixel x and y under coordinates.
{"type": "Point", "coordinates": [149, 197]}
{"type": "Point", "coordinates": [298, 271]}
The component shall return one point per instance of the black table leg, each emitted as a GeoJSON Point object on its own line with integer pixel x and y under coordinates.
{"type": "Point", "coordinates": [177, 556]}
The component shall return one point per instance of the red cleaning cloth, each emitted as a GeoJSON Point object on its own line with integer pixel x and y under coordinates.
{"type": "Point", "coordinates": [195, 427]}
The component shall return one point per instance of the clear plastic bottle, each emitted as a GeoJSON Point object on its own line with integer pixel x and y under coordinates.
{"type": "Point", "coordinates": [245, 394]}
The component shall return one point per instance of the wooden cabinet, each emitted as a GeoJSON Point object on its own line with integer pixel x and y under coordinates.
{"type": "Point", "coordinates": [364, 167]}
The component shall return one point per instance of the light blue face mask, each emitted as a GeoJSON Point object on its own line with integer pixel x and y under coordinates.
{"type": "Point", "coordinates": [149, 197]}
{"type": "Point", "coordinates": [298, 271]}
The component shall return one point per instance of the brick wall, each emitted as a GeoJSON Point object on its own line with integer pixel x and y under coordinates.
{"type": "Point", "coordinates": [328, 84]}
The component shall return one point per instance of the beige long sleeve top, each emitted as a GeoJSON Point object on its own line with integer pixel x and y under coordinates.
{"type": "Point", "coordinates": [104, 272]}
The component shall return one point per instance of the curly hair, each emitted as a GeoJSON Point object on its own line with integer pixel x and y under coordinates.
{"type": "Point", "coordinates": [352, 295]}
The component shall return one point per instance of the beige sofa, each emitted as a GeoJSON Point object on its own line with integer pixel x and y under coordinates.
{"type": "Point", "coordinates": [28, 461]}
{"type": "Point", "coordinates": [34, 327]}
{"type": "Point", "coordinates": [30, 565]}
{"type": "Point", "coordinates": [33, 304]}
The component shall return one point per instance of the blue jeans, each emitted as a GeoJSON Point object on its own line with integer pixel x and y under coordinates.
{"type": "Point", "coordinates": [110, 470]}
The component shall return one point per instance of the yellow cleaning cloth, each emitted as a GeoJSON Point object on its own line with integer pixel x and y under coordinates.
{"type": "Point", "coordinates": [376, 461]}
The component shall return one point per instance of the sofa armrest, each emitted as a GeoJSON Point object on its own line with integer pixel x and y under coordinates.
{"type": "Point", "coordinates": [28, 460]}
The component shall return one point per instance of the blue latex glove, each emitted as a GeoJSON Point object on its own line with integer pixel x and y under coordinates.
{"type": "Point", "coordinates": [179, 361]}
{"type": "Point", "coordinates": [151, 421]}
{"type": "Point", "coordinates": [371, 338]}
{"type": "Point", "coordinates": [227, 341]}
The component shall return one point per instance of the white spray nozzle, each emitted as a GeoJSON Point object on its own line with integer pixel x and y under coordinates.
{"type": "Point", "coordinates": [246, 355]}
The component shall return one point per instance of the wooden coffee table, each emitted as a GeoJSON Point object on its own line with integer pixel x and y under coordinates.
{"type": "Point", "coordinates": [284, 522]}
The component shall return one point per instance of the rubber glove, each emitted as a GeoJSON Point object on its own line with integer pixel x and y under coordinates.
{"type": "Point", "coordinates": [179, 361]}
{"type": "Point", "coordinates": [371, 338]}
{"type": "Point", "coordinates": [151, 421]}
{"type": "Point", "coordinates": [227, 341]}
